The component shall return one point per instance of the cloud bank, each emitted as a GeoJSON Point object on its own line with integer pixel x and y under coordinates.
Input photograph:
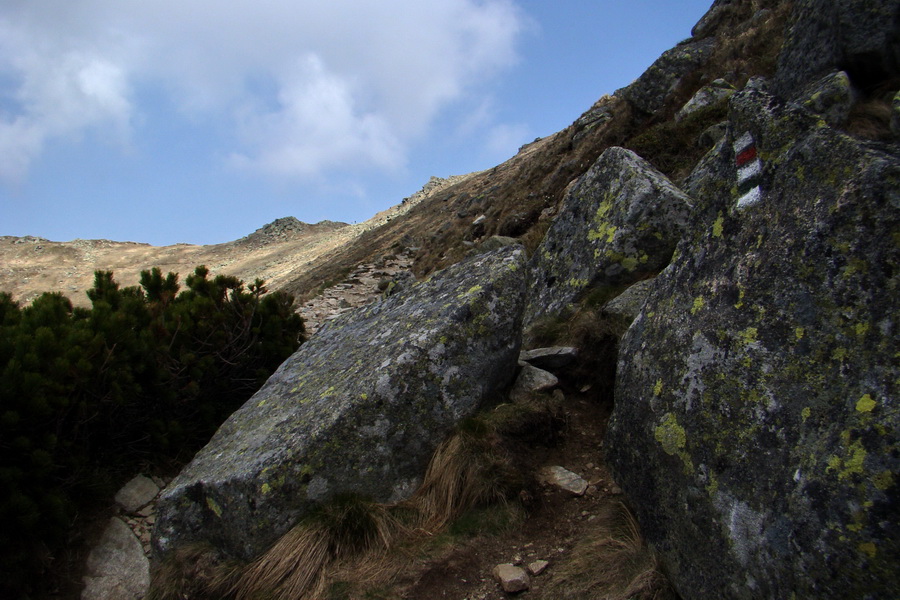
{"type": "Point", "coordinates": [304, 86]}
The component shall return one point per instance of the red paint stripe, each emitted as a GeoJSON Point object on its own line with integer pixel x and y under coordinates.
{"type": "Point", "coordinates": [746, 156]}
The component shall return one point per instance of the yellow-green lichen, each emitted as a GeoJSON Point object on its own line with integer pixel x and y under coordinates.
{"type": "Point", "coordinates": [805, 413]}
{"type": "Point", "coordinates": [852, 463]}
{"type": "Point", "coordinates": [740, 301]}
{"type": "Point", "coordinates": [673, 439]}
{"type": "Point", "coordinates": [658, 388]}
{"type": "Point", "coordinates": [630, 263]}
{"type": "Point", "coordinates": [884, 480]}
{"type": "Point", "coordinates": [868, 548]}
{"type": "Point", "coordinates": [265, 488]}
{"type": "Point", "coordinates": [865, 404]}
{"type": "Point", "coordinates": [670, 434]}
{"type": "Point", "coordinates": [698, 305]}
{"type": "Point", "coordinates": [713, 486]}
{"type": "Point", "coordinates": [717, 226]}
{"type": "Point", "coordinates": [748, 336]}
{"type": "Point", "coordinates": [471, 291]}
{"type": "Point", "coordinates": [861, 329]}
{"type": "Point", "coordinates": [214, 506]}
{"type": "Point", "coordinates": [799, 332]}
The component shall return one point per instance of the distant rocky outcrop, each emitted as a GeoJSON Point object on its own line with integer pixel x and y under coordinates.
{"type": "Point", "coordinates": [619, 222]}
{"type": "Point", "coordinates": [287, 227]}
{"type": "Point", "coordinates": [755, 426]}
{"type": "Point", "coordinates": [358, 409]}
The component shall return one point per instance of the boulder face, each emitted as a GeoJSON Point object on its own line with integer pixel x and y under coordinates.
{"type": "Point", "coordinates": [756, 427]}
{"type": "Point", "coordinates": [861, 37]}
{"type": "Point", "coordinates": [619, 222]}
{"type": "Point", "coordinates": [649, 91]}
{"type": "Point", "coordinates": [359, 408]}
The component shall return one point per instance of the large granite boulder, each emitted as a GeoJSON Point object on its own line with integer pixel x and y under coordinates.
{"type": "Point", "coordinates": [756, 427]}
{"type": "Point", "coordinates": [861, 37]}
{"type": "Point", "coordinates": [620, 222]}
{"type": "Point", "coordinates": [359, 408]}
{"type": "Point", "coordinates": [649, 92]}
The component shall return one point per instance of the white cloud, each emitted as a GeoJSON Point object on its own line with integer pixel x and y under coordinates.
{"type": "Point", "coordinates": [305, 85]}
{"type": "Point", "coordinates": [57, 93]}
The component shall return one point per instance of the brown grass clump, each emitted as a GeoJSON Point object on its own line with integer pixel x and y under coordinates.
{"type": "Point", "coordinates": [611, 562]}
{"type": "Point", "coordinates": [870, 120]}
{"type": "Point", "coordinates": [296, 566]}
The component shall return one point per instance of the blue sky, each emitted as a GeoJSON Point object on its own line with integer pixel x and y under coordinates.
{"type": "Point", "coordinates": [198, 121]}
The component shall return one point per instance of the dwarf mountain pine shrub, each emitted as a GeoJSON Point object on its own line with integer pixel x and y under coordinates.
{"type": "Point", "coordinates": [143, 377]}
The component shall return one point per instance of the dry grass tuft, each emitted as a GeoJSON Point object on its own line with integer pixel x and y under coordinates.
{"type": "Point", "coordinates": [870, 120]}
{"type": "Point", "coordinates": [296, 566]}
{"type": "Point", "coordinates": [196, 571]}
{"type": "Point", "coordinates": [611, 562]}
{"type": "Point", "coordinates": [468, 469]}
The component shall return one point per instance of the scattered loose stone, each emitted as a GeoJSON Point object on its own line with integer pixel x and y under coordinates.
{"type": "Point", "coordinates": [511, 578]}
{"type": "Point", "coordinates": [530, 380]}
{"type": "Point", "coordinates": [564, 479]}
{"type": "Point", "coordinates": [136, 493]}
{"type": "Point", "coordinates": [537, 567]}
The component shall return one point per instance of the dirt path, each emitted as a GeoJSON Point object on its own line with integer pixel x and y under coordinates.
{"type": "Point", "coordinates": [556, 520]}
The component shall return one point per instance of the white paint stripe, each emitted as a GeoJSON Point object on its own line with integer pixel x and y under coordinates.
{"type": "Point", "coordinates": [750, 198]}
{"type": "Point", "coordinates": [751, 169]}
{"type": "Point", "coordinates": [742, 143]}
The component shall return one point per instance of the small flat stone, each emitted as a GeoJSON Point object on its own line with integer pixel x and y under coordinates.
{"type": "Point", "coordinates": [537, 567]}
{"type": "Point", "coordinates": [552, 358]}
{"type": "Point", "coordinates": [136, 493]}
{"type": "Point", "coordinates": [564, 479]}
{"type": "Point", "coordinates": [531, 380]}
{"type": "Point", "coordinates": [511, 578]}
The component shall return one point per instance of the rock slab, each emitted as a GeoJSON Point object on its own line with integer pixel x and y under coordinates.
{"type": "Point", "coordinates": [550, 359]}
{"type": "Point", "coordinates": [564, 479]}
{"type": "Point", "coordinates": [358, 409]}
{"type": "Point", "coordinates": [137, 493]}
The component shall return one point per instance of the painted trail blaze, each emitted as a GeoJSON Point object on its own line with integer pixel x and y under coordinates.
{"type": "Point", "coordinates": [749, 171]}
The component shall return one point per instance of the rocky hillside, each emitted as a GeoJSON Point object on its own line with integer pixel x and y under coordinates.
{"type": "Point", "coordinates": [280, 253]}
{"type": "Point", "coordinates": [709, 257]}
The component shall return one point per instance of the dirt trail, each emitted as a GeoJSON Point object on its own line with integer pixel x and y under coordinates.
{"type": "Point", "coordinates": [555, 522]}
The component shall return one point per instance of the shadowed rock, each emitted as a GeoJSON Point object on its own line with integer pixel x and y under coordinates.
{"type": "Point", "coordinates": [358, 409]}
{"type": "Point", "coordinates": [755, 426]}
